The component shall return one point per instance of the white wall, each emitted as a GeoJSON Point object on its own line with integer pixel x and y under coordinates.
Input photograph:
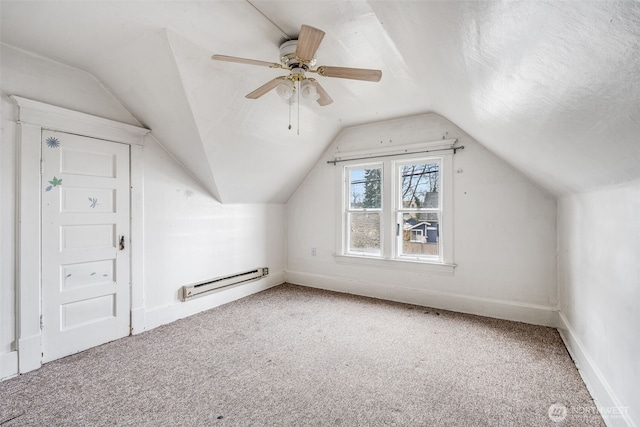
{"type": "Point", "coordinates": [599, 289]}
{"type": "Point", "coordinates": [188, 235]}
{"type": "Point", "coordinates": [504, 227]}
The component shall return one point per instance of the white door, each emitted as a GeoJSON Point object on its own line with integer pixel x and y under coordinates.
{"type": "Point", "coordinates": [85, 243]}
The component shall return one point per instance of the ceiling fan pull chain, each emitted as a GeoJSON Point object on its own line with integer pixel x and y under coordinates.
{"type": "Point", "coordinates": [289, 113]}
{"type": "Point", "coordinates": [298, 95]}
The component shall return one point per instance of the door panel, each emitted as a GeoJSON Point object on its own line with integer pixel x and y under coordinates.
{"type": "Point", "coordinates": [74, 199]}
{"type": "Point", "coordinates": [85, 274]}
{"type": "Point", "coordinates": [79, 237]}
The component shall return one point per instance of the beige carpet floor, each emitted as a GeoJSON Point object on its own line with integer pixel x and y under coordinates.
{"type": "Point", "coordinates": [295, 356]}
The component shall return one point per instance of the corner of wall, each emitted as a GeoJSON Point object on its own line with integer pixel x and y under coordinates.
{"type": "Point", "coordinates": [608, 404]}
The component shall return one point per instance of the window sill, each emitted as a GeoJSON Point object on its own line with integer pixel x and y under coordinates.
{"type": "Point", "coordinates": [398, 264]}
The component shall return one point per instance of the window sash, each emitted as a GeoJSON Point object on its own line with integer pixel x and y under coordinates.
{"type": "Point", "coordinates": [427, 251]}
{"type": "Point", "coordinates": [398, 165]}
{"type": "Point", "coordinates": [429, 248]}
{"type": "Point", "coordinates": [350, 212]}
{"type": "Point", "coordinates": [368, 242]}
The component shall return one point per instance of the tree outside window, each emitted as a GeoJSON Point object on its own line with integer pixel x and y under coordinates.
{"type": "Point", "coordinates": [364, 212]}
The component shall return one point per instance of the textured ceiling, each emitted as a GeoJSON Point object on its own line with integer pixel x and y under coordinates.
{"type": "Point", "coordinates": [553, 88]}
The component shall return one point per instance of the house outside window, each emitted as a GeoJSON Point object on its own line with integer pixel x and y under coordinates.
{"type": "Point", "coordinates": [418, 208]}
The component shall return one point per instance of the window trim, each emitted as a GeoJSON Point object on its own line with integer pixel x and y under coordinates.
{"type": "Point", "coordinates": [443, 269]}
{"type": "Point", "coordinates": [389, 258]}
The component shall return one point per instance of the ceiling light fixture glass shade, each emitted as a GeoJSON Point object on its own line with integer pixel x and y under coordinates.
{"type": "Point", "coordinates": [308, 90]}
{"type": "Point", "coordinates": [285, 89]}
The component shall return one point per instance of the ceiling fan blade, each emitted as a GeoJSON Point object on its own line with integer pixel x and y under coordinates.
{"type": "Point", "coordinates": [246, 61]}
{"type": "Point", "coordinates": [350, 73]}
{"type": "Point", "coordinates": [308, 42]}
{"type": "Point", "coordinates": [323, 96]}
{"type": "Point", "coordinates": [265, 88]}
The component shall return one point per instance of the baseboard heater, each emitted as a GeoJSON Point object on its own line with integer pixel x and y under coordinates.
{"type": "Point", "coordinates": [203, 288]}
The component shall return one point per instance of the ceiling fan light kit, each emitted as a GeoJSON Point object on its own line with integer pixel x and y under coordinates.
{"type": "Point", "coordinates": [299, 57]}
{"type": "Point", "coordinates": [308, 90]}
{"type": "Point", "coordinates": [285, 89]}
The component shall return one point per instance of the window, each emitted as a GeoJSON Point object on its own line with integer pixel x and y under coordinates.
{"type": "Point", "coordinates": [418, 209]}
{"type": "Point", "coordinates": [364, 210]}
{"type": "Point", "coordinates": [397, 209]}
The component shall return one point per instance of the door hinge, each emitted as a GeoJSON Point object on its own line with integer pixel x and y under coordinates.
{"type": "Point", "coordinates": [41, 324]}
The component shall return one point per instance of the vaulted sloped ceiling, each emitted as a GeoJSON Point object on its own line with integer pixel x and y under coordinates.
{"type": "Point", "coordinates": [552, 87]}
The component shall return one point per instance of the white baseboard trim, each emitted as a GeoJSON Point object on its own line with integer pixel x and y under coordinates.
{"type": "Point", "coordinates": [500, 309]}
{"type": "Point", "coordinates": [29, 353]}
{"type": "Point", "coordinates": [8, 365]}
{"type": "Point", "coordinates": [163, 315]}
{"type": "Point", "coordinates": [612, 411]}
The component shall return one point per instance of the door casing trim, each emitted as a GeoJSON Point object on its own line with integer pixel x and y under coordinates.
{"type": "Point", "coordinates": [32, 118]}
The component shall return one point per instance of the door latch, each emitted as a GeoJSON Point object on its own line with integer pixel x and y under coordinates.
{"type": "Point", "coordinates": [121, 242]}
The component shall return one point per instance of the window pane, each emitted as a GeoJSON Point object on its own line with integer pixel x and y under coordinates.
{"type": "Point", "coordinates": [364, 236]}
{"type": "Point", "coordinates": [419, 185]}
{"type": "Point", "coordinates": [420, 234]}
{"type": "Point", "coordinates": [365, 188]}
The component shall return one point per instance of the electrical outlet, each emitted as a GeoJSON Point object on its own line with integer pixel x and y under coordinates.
{"type": "Point", "coordinates": [313, 251]}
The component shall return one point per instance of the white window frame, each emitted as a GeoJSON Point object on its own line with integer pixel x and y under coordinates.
{"type": "Point", "coordinates": [347, 209]}
{"type": "Point", "coordinates": [399, 210]}
{"type": "Point", "coordinates": [390, 258]}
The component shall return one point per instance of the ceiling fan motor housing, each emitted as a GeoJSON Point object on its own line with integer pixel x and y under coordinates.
{"type": "Point", "coordinates": [288, 56]}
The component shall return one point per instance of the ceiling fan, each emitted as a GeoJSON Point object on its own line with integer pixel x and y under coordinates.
{"type": "Point", "coordinates": [299, 57]}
